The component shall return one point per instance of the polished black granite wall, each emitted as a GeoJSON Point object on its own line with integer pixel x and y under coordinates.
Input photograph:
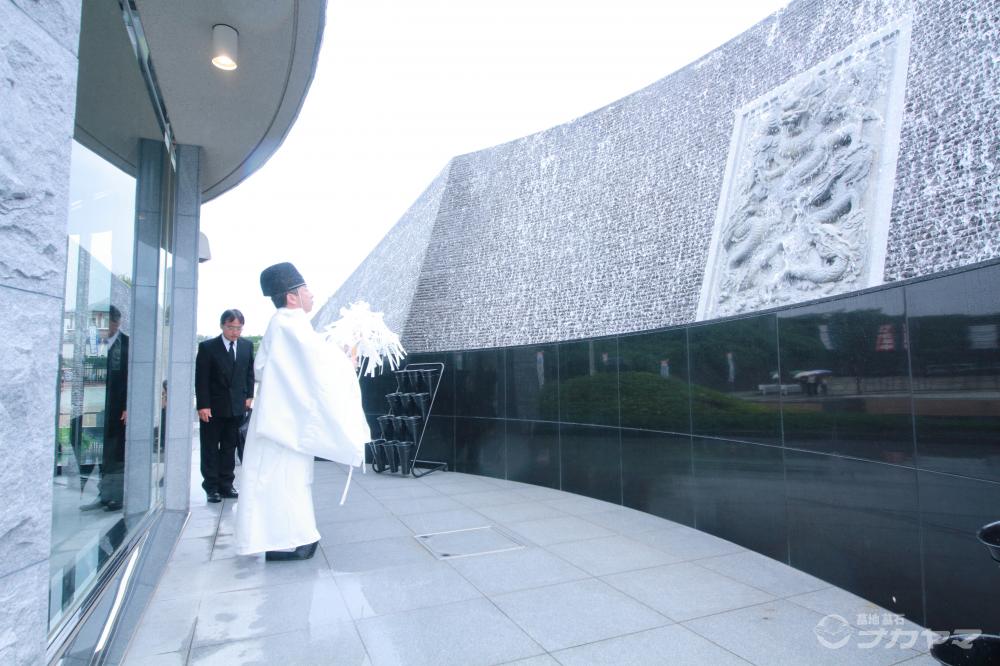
{"type": "Point", "coordinates": [856, 438]}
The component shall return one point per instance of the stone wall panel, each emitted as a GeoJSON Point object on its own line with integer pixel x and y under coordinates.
{"type": "Point", "coordinates": [38, 96]}
{"type": "Point", "coordinates": [29, 358]}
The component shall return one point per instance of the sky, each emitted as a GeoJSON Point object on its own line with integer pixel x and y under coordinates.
{"type": "Point", "coordinates": [401, 87]}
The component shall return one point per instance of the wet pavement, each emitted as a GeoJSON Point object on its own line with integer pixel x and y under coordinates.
{"type": "Point", "coordinates": [558, 579]}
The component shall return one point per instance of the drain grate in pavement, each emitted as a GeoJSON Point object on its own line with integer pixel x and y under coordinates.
{"type": "Point", "coordinates": [468, 542]}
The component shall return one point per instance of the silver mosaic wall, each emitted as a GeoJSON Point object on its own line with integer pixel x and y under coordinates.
{"type": "Point", "coordinates": [388, 276]}
{"type": "Point", "coordinates": [604, 225]}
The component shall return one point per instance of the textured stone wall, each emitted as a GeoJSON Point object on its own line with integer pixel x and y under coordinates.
{"type": "Point", "coordinates": [603, 225]}
{"type": "Point", "coordinates": [38, 68]}
{"type": "Point", "coordinates": [388, 276]}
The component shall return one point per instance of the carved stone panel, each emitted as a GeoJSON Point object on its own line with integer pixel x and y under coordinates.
{"type": "Point", "coordinates": [805, 203]}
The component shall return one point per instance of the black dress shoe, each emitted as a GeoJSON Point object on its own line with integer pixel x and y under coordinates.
{"type": "Point", "coordinates": [113, 505]}
{"type": "Point", "coordinates": [214, 497]}
{"type": "Point", "coordinates": [300, 553]}
{"type": "Point", "coordinates": [229, 493]}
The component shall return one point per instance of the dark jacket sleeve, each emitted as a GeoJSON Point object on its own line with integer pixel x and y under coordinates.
{"type": "Point", "coordinates": [250, 375]}
{"type": "Point", "coordinates": [202, 373]}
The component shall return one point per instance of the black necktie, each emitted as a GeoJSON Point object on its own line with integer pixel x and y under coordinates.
{"type": "Point", "coordinates": [232, 352]}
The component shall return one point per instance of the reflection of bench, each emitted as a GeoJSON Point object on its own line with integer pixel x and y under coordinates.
{"type": "Point", "coordinates": [784, 389]}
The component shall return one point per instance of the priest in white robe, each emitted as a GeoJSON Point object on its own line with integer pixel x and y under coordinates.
{"type": "Point", "coordinates": [308, 404]}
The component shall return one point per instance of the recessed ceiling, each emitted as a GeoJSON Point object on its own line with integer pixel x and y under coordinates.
{"type": "Point", "coordinates": [239, 118]}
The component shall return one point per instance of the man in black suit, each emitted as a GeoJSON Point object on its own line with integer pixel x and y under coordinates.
{"type": "Point", "coordinates": [115, 416]}
{"type": "Point", "coordinates": [223, 382]}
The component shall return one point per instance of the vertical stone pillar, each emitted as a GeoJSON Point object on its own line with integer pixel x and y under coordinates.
{"type": "Point", "coordinates": [38, 71]}
{"type": "Point", "coordinates": [143, 396]}
{"type": "Point", "coordinates": [180, 388]}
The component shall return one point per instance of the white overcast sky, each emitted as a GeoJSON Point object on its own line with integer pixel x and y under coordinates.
{"type": "Point", "coordinates": [404, 85]}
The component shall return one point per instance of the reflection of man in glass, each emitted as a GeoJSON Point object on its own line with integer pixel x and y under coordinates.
{"type": "Point", "coordinates": [115, 416]}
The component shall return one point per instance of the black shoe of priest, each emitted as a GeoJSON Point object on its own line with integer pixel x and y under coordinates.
{"type": "Point", "coordinates": [300, 553]}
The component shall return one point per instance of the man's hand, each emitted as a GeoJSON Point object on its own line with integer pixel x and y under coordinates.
{"type": "Point", "coordinates": [204, 414]}
{"type": "Point", "coordinates": [124, 416]}
{"type": "Point", "coordinates": [249, 403]}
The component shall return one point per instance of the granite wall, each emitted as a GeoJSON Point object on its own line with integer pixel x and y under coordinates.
{"type": "Point", "coordinates": [38, 71]}
{"type": "Point", "coordinates": [602, 226]}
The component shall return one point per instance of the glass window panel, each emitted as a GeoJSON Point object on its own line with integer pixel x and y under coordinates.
{"type": "Point", "coordinates": [87, 520]}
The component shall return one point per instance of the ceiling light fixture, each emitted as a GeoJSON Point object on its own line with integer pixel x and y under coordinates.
{"type": "Point", "coordinates": [224, 46]}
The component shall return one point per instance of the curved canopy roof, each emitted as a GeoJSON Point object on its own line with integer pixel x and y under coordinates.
{"type": "Point", "coordinates": [238, 117]}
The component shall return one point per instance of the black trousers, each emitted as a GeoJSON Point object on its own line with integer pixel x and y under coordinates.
{"type": "Point", "coordinates": [219, 438]}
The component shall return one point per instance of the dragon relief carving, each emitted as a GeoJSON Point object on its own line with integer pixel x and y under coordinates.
{"type": "Point", "coordinates": [796, 226]}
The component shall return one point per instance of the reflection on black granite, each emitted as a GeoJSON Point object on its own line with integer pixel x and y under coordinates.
{"type": "Point", "coordinates": [533, 383]}
{"type": "Point", "coordinates": [479, 447]}
{"type": "Point", "coordinates": [588, 382]}
{"type": "Point", "coordinates": [444, 402]}
{"type": "Point", "coordinates": [960, 578]}
{"type": "Point", "coordinates": [533, 453]}
{"type": "Point", "coordinates": [854, 524]}
{"type": "Point", "coordinates": [438, 444]}
{"type": "Point", "coordinates": [657, 474]}
{"type": "Point", "coordinates": [373, 391]}
{"type": "Point", "coordinates": [845, 378]}
{"type": "Point", "coordinates": [591, 462]}
{"type": "Point", "coordinates": [479, 383]}
{"type": "Point", "coordinates": [734, 372]}
{"type": "Point", "coordinates": [740, 494]}
{"type": "Point", "coordinates": [955, 350]}
{"type": "Point", "coordinates": [653, 381]}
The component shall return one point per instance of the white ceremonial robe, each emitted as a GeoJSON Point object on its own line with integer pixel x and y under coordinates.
{"type": "Point", "coordinates": [308, 404]}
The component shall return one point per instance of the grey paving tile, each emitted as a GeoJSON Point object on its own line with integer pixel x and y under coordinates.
{"type": "Point", "coordinates": [673, 644]}
{"type": "Point", "coordinates": [467, 633]}
{"type": "Point", "coordinates": [540, 660]}
{"type": "Point", "coordinates": [780, 632]}
{"type": "Point", "coordinates": [629, 521]}
{"type": "Point", "coordinates": [350, 513]}
{"type": "Point", "coordinates": [171, 631]}
{"type": "Point", "coordinates": [495, 497]}
{"type": "Point", "coordinates": [372, 555]}
{"type": "Point", "coordinates": [537, 493]}
{"type": "Point", "coordinates": [403, 588]}
{"type": "Point", "coordinates": [266, 611]}
{"type": "Point", "coordinates": [515, 513]}
{"type": "Point", "coordinates": [548, 531]}
{"type": "Point", "coordinates": [578, 612]}
{"type": "Point", "coordinates": [607, 555]}
{"type": "Point", "coordinates": [196, 550]}
{"type": "Point", "coordinates": [237, 573]}
{"type": "Point", "coordinates": [331, 643]}
{"type": "Point", "coordinates": [500, 573]}
{"type": "Point", "coordinates": [684, 591]}
{"type": "Point", "coordinates": [577, 505]}
{"type": "Point", "coordinates": [854, 609]}
{"type": "Point", "coordinates": [920, 660]}
{"type": "Point", "coordinates": [168, 659]}
{"type": "Point", "coordinates": [764, 573]}
{"type": "Point", "coordinates": [403, 492]}
{"type": "Point", "coordinates": [443, 521]}
{"type": "Point", "coordinates": [225, 547]}
{"type": "Point", "coordinates": [404, 507]}
{"type": "Point", "coordinates": [203, 526]}
{"type": "Point", "coordinates": [683, 543]}
{"type": "Point", "coordinates": [460, 486]}
{"type": "Point", "coordinates": [355, 531]}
